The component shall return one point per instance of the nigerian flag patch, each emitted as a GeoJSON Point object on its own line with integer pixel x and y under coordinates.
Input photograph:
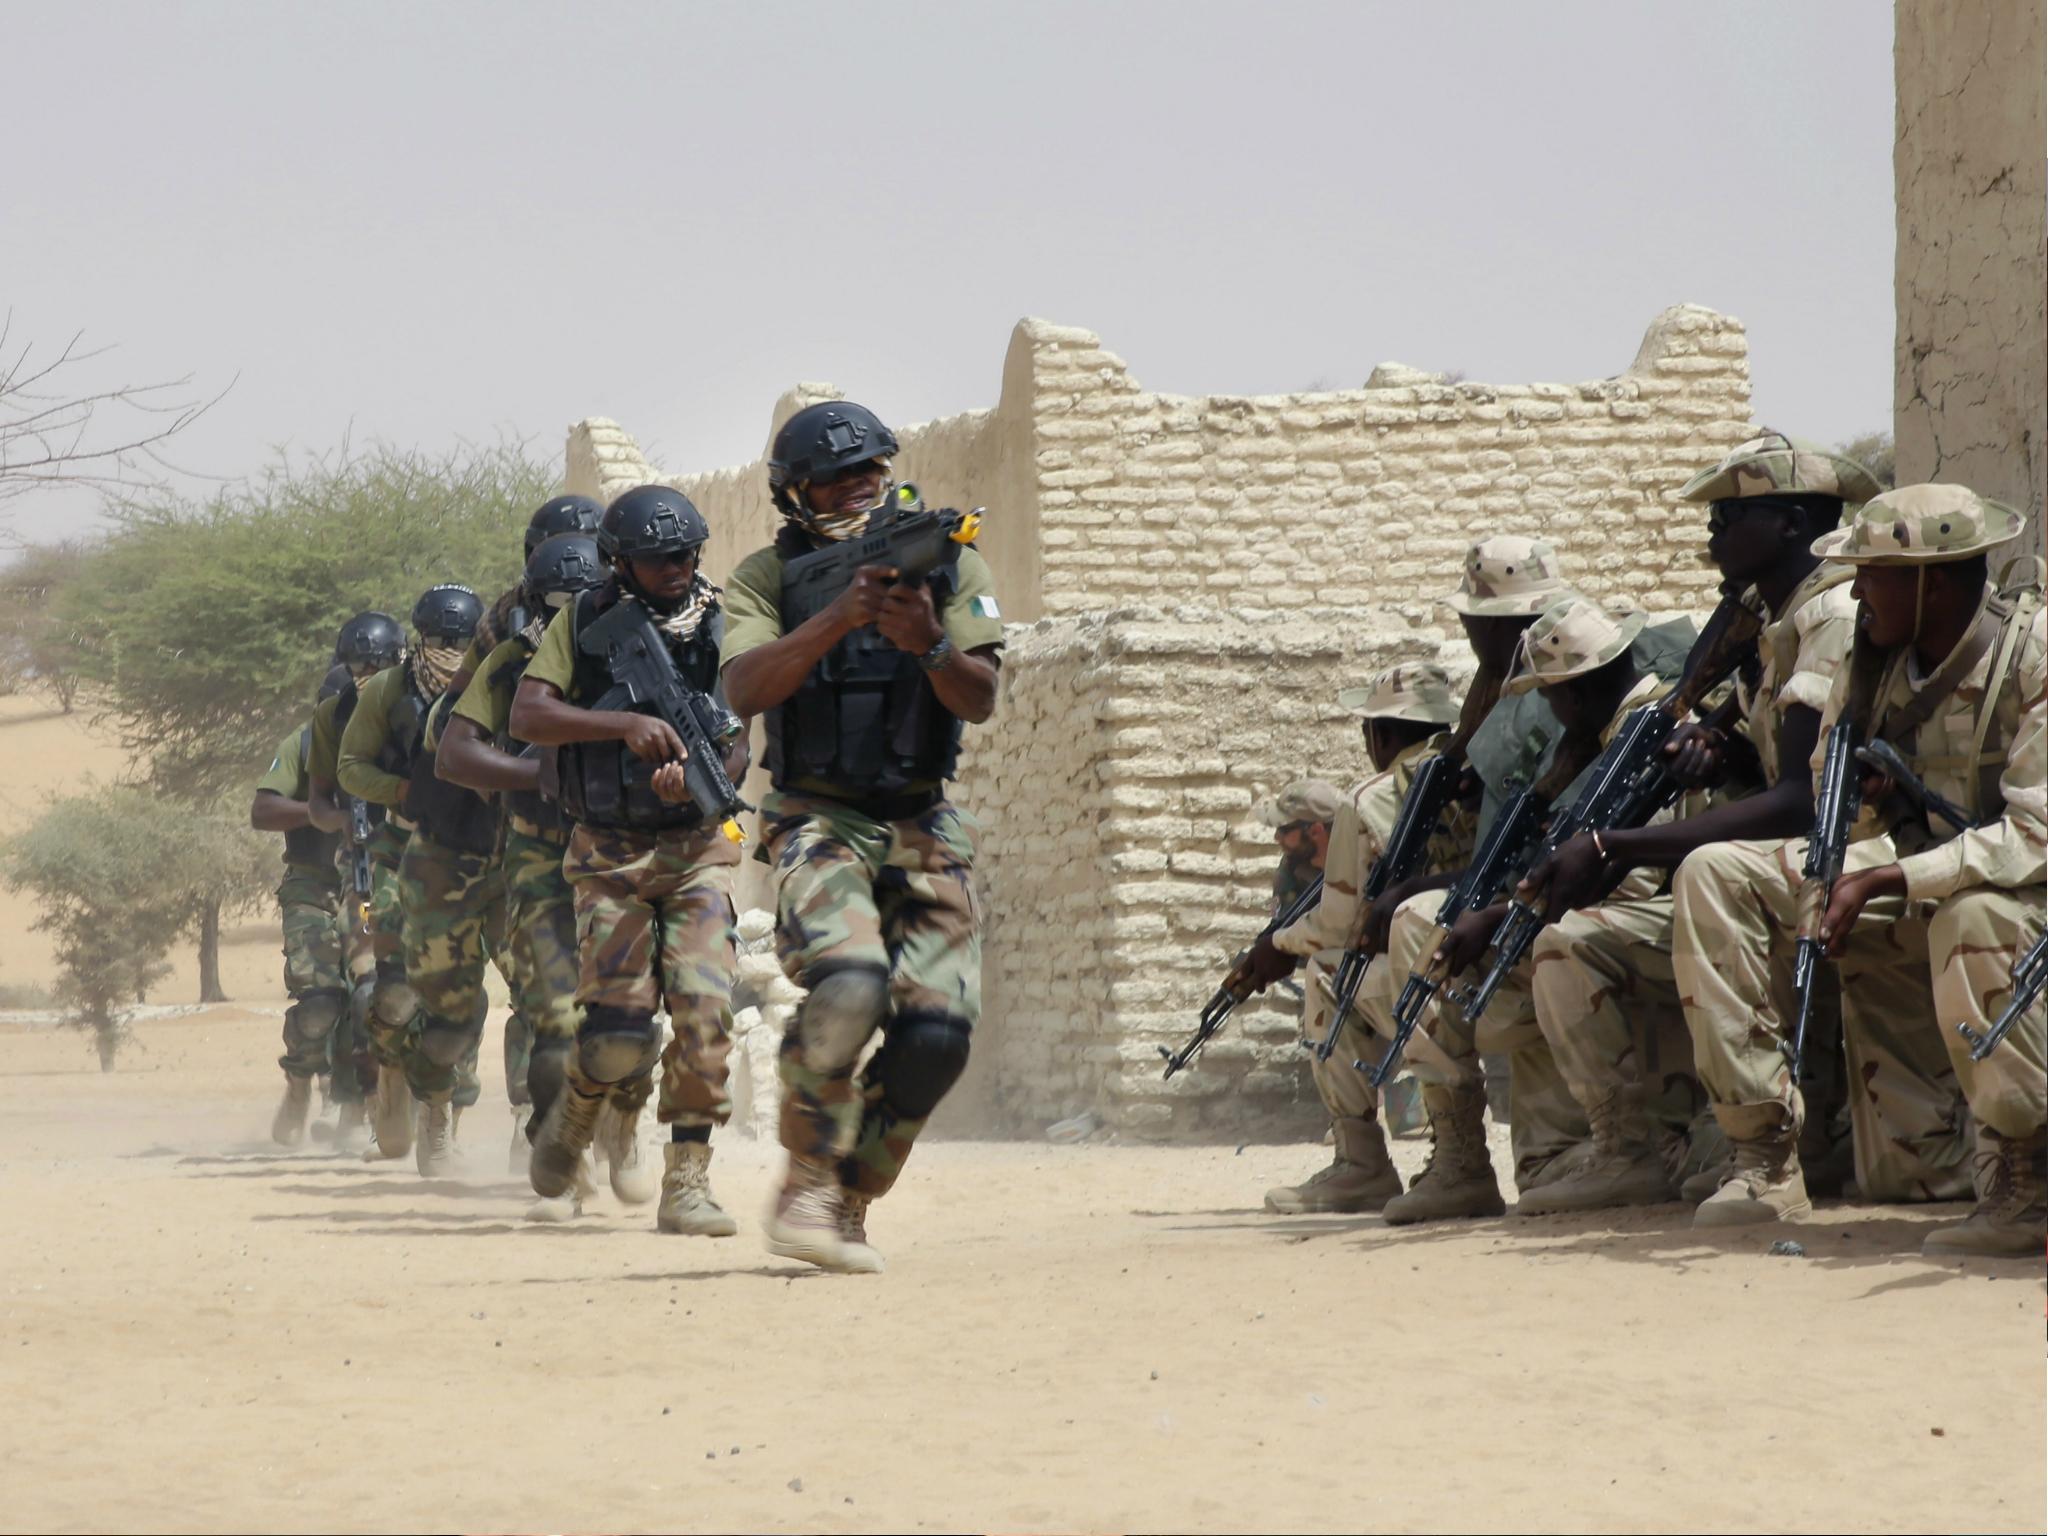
{"type": "Point", "coordinates": [984, 608]}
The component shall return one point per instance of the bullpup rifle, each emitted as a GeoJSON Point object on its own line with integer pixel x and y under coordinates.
{"type": "Point", "coordinates": [902, 535]}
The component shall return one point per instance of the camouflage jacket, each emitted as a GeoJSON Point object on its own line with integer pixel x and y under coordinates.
{"type": "Point", "coordinates": [1802, 650]}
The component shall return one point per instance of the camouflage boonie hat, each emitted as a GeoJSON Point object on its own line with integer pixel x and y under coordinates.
{"type": "Point", "coordinates": [1303, 800]}
{"type": "Point", "coordinates": [1414, 690]}
{"type": "Point", "coordinates": [1572, 638]}
{"type": "Point", "coordinates": [1772, 464]}
{"type": "Point", "coordinates": [1921, 525]}
{"type": "Point", "coordinates": [1508, 577]}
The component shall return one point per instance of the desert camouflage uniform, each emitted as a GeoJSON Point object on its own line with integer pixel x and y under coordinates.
{"type": "Point", "coordinates": [307, 900]}
{"type": "Point", "coordinates": [1915, 968]}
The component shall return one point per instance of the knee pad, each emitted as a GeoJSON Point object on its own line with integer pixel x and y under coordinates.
{"type": "Point", "coordinates": [394, 1000]}
{"type": "Point", "coordinates": [921, 1060]}
{"type": "Point", "coordinates": [445, 1042]}
{"type": "Point", "coordinates": [615, 1046]}
{"type": "Point", "coordinates": [843, 1009]}
{"type": "Point", "coordinates": [316, 1013]}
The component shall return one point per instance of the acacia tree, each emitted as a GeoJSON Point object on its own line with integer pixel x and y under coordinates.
{"type": "Point", "coordinates": [36, 648]}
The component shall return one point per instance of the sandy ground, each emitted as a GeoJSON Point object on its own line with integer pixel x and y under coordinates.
{"type": "Point", "coordinates": [203, 1332]}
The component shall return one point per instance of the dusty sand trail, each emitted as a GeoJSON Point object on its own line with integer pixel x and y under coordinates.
{"type": "Point", "coordinates": [204, 1332]}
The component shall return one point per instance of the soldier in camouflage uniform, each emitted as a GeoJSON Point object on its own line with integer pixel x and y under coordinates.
{"type": "Point", "coordinates": [368, 643]}
{"type": "Point", "coordinates": [426, 1013]}
{"type": "Point", "coordinates": [1589, 670]}
{"type": "Point", "coordinates": [1606, 998]}
{"type": "Point", "coordinates": [652, 879]}
{"type": "Point", "coordinates": [1300, 816]}
{"type": "Point", "coordinates": [478, 750]}
{"type": "Point", "coordinates": [1406, 710]}
{"type": "Point", "coordinates": [308, 900]}
{"type": "Point", "coordinates": [1925, 924]}
{"type": "Point", "coordinates": [877, 916]}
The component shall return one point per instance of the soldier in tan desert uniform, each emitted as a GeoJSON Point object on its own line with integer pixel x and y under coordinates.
{"type": "Point", "coordinates": [1925, 924]}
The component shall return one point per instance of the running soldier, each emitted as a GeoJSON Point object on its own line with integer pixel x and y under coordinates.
{"type": "Point", "coordinates": [1925, 923]}
{"type": "Point", "coordinates": [377, 763]}
{"type": "Point", "coordinates": [1606, 998]}
{"type": "Point", "coordinates": [876, 911]}
{"type": "Point", "coordinates": [308, 901]}
{"type": "Point", "coordinates": [1405, 711]}
{"type": "Point", "coordinates": [651, 878]}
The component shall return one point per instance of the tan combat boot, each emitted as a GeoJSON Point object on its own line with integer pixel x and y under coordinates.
{"type": "Point", "coordinates": [391, 1115]}
{"type": "Point", "coordinates": [288, 1126]}
{"type": "Point", "coordinates": [856, 1255]}
{"type": "Point", "coordinates": [632, 1175]}
{"type": "Point", "coordinates": [804, 1221]}
{"type": "Point", "coordinates": [687, 1205]}
{"type": "Point", "coordinates": [1625, 1166]}
{"type": "Point", "coordinates": [1458, 1180]}
{"type": "Point", "coordinates": [2011, 1218]}
{"type": "Point", "coordinates": [556, 1163]}
{"type": "Point", "coordinates": [434, 1155]}
{"type": "Point", "coordinates": [1765, 1185]}
{"type": "Point", "coordinates": [1359, 1178]}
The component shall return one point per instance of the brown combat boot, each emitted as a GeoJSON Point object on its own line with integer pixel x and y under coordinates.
{"type": "Point", "coordinates": [288, 1126]}
{"type": "Point", "coordinates": [804, 1221]}
{"type": "Point", "coordinates": [557, 1160]}
{"type": "Point", "coordinates": [1458, 1180]}
{"type": "Point", "coordinates": [1360, 1178]}
{"type": "Point", "coordinates": [2011, 1218]}
{"type": "Point", "coordinates": [688, 1207]}
{"type": "Point", "coordinates": [1766, 1184]}
{"type": "Point", "coordinates": [1625, 1166]}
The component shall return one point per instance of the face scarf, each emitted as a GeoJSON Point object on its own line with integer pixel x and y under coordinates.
{"type": "Point", "coordinates": [840, 526]}
{"type": "Point", "coordinates": [433, 666]}
{"type": "Point", "coordinates": [689, 613]}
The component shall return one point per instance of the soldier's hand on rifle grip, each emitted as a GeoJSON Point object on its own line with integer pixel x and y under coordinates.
{"type": "Point", "coordinates": [1566, 879]}
{"type": "Point", "coordinates": [1854, 892]}
{"type": "Point", "coordinates": [1877, 789]}
{"type": "Point", "coordinates": [652, 740]}
{"type": "Point", "coordinates": [671, 783]}
{"type": "Point", "coordinates": [861, 603]}
{"type": "Point", "coordinates": [1698, 755]}
{"type": "Point", "coordinates": [908, 621]}
{"type": "Point", "coordinates": [1468, 939]}
{"type": "Point", "coordinates": [1264, 965]}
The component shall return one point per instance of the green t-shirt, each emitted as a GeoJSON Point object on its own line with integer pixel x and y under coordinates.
{"type": "Point", "coordinates": [287, 775]}
{"type": "Point", "coordinates": [324, 751]}
{"type": "Point", "coordinates": [753, 605]}
{"type": "Point", "coordinates": [482, 704]}
{"type": "Point", "coordinates": [369, 729]}
{"type": "Point", "coordinates": [555, 660]}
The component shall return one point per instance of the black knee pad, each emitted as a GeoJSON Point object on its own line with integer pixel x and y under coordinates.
{"type": "Point", "coordinates": [445, 1042]}
{"type": "Point", "coordinates": [394, 1000]}
{"type": "Point", "coordinates": [843, 1009]}
{"type": "Point", "coordinates": [546, 1072]}
{"type": "Point", "coordinates": [614, 1046]}
{"type": "Point", "coordinates": [316, 1013]}
{"type": "Point", "coordinates": [920, 1061]}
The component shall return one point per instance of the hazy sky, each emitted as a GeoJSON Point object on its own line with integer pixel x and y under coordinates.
{"type": "Point", "coordinates": [430, 222]}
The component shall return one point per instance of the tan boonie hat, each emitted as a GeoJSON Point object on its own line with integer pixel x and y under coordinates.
{"type": "Point", "coordinates": [1921, 525]}
{"type": "Point", "coordinates": [1508, 577]}
{"type": "Point", "coordinates": [1772, 464]}
{"type": "Point", "coordinates": [1303, 800]}
{"type": "Point", "coordinates": [1572, 638]}
{"type": "Point", "coordinates": [1414, 690]}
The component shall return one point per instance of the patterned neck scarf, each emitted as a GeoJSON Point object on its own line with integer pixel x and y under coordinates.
{"type": "Point", "coordinates": [689, 613]}
{"type": "Point", "coordinates": [433, 666]}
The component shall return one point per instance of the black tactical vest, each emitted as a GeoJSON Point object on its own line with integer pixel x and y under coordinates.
{"type": "Point", "coordinates": [529, 805]}
{"type": "Point", "coordinates": [309, 846]}
{"type": "Point", "coordinates": [865, 720]}
{"type": "Point", "coordinates": [603, 784]}
{"type": "Point", "coordinates": [456, 818]}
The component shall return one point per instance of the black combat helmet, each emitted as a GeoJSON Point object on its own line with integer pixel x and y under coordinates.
{"type": "Point", "coordinates": [337, 678]}
{"type": "Point", "coordinates": [563, 565]}
{"type": "Point", "coordinates": [448, 613]}
{"type": "Point", "coordinates": [370, 640]}
{"type": "Point", "coordinates": [564, 514]}
{"type": "Point", "coordinates": [821, 440]}
{"type": "Point", "coordinates": [650, 520]}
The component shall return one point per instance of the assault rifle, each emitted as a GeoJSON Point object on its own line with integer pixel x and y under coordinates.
{"type": "Point", "coordinates": [1883, 757]}
{"type": "Point", "coordinates": [1630, 781]}
{"type": "Point", "coordinates": [645, 679]}
{"type": "Point", "coordinates": [1837, 800]}
{"type": "Point", "coordinates": [356, 835]}
{"type": "Point", "coordinates": [1237, 983]}
{"type": "Point", "coordinates": [2029, 975]}
{"type": "Point", "coordinates": [902, 535]}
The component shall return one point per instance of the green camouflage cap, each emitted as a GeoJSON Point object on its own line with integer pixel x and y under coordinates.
{"type": "Point", "coordinates": [1772, 464]}
{"type": "Point", "coordinates": [1921, 525]}
{"type": "Point", "coordinates": [1572, 638]}
{"type": "Point", "coordinates": [1508, 577]}
{"type": "Point", "coordinates": [1303, 800]}
{"type": "Point", "coordinates": [1414, 690]}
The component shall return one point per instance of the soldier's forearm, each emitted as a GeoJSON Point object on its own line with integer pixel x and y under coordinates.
{"type": "Point", "coordinates": [273, 812]}
{"type": "Point", "coordinates": [768, 674]}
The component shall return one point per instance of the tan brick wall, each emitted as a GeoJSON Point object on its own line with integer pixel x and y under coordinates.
{"type": "Point", "coordinates": [1203, 575]}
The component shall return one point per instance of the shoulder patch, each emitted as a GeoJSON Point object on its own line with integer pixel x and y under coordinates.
{"type": "Point", "coordinates": [984, 607]}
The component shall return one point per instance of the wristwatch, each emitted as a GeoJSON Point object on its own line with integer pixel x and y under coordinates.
{"type": "Point", "coordinates": [939, 657]}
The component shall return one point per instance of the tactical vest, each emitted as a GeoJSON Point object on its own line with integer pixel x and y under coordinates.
{"type": "Point", "coordinates": [309, 846]}
{"type": "Point", "coordinates": [456, 818]}
{"type": "Point", "coordinates": [529, 805]}
{"type": "Point", "coordinates": [865, 720]}
{"type": "Point", "coordinates": [603, 784]}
